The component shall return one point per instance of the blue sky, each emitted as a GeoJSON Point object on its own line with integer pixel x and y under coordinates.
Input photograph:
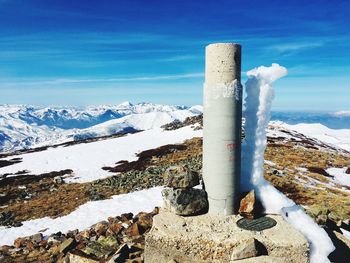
{"type": "Point", "coordinates": [104, 52]}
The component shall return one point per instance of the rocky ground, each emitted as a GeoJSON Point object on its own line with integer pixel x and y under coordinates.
{"type": "Point", "coordinates": [296, 165]}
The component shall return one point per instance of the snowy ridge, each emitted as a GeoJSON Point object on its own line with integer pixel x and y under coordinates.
{"type": "Point", "coordinates": [23, 127]}
{"type": "Point", "coordinates": [339, 138]}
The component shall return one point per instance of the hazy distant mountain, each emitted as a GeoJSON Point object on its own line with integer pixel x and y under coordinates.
{"type": "Point", "coordinates": [337, 120]}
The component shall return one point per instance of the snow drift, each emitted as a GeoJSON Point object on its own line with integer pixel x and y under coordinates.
{"type": "Point", "coordinates": [257, 114]}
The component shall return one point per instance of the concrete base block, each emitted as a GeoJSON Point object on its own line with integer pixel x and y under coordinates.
{"type": "Point", "coordinates": [215, 238]}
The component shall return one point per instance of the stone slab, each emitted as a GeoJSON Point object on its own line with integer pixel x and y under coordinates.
{"type": "Point", "coordinates": [213, 238]}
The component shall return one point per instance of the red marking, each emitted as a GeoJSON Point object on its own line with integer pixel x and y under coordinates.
{"type": "Point", "coordinates": [230, 146]}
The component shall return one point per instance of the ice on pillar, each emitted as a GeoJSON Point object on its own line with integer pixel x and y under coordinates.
{"type": "Point", "coordinates": [222, 121]}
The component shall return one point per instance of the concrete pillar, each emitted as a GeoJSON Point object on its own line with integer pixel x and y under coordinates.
{"type": "Point", "coordinates": [222, 121]}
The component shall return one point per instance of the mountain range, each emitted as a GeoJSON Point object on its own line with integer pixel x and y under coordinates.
{"type": "Point", "coordinates": [25, 127]}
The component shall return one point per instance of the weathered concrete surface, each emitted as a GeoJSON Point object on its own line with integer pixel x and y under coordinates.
{"type": "Point", "coordinates": [215, 238]}
{"type": "Point", "coordinates": [222, 122]}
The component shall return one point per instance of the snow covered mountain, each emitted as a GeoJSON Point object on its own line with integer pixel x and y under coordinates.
{"type": "Point", "coordinates": [23, 127]}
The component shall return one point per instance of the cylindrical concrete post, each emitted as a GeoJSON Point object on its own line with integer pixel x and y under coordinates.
{"type": "Point", "coordinates": [222, 122]}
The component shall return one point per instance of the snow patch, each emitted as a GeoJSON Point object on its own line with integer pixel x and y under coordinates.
{"type": "Point", "coordinates": [87, 159]}
{"type": "Point", "coordinates": [86, 215]}
{"type": "Point", "coordinates": [340, 176]}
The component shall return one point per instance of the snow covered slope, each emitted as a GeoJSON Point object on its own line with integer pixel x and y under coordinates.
{"type": "Point", "coordinates": [23, 127]}
{"type": "Point", "coordinates": [87, 159]}
{"type": "Point", "coordinates": [340, 138]}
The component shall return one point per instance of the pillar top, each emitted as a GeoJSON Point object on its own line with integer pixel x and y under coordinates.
{"type": "Point", "coordinates": [222, 63]}
{"type": "Point", "coordinates": [223, 44]}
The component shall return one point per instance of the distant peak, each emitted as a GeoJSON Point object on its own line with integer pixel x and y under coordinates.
{"type": "Point", "coordinates": [125, 104]}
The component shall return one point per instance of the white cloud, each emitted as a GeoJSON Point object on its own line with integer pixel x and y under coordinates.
{"type": "Point", "coordinates": [103, 80]}
{"type": "Point", "coordinates": [296, 46]}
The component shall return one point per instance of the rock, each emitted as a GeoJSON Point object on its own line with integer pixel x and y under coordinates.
{"type": "Point", "coordinates": [20, 242]}
{"type": "Point", "coordinates": [115, 228]}
{"type": "Point", "coordinates": [247, 205]}
{"type": "Point", "coordinates": [347, 170]}
{"type": "Point", "coordinates": [245, 249]}
{"type": "Point", "coordinates": [144, 221]}
{"type": "Point", "coordinates": [72, 233]}
{"type": "Point", "coordinates": [36, 238]}
{"type": "Point", "coordinates": [100, 228]}
{"type": "Point", "coordinates": [55, 238]}
{"type": "Point", "coordinates": [108, 242]}
{"type": "Point", "coordinates": [30, 246]}
{"type": "Point", "coordinates": [5, 249]}
{"type": "Point", "coordinates": [67, 245]}
{"type": "Point", "coordinates": [81, 245]}
{"type": "Point", "coordinates": [83, 235]}
{"type": "Point", "coordinates": [111, 219]}
{"type": "Point", "coordinates": [126, 217]}
{"type": "Point", "coordinates": [133, 230]}
{"type": "Point", "coordinates": [188, 201]}
{"type": "Point", "coordinates": [180, 176]}
{"type": "Point", "coordinates": [58, 180]}
{"type": "Point", "coordinates": [102, 248]}
{"type": "Point", "coordinates": [98, 250]}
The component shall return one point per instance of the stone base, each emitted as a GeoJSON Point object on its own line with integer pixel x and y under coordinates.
{"type": "Point", "coordinates": [213, 238]}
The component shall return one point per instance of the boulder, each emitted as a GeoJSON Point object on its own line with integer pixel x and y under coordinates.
{"type": "Point", "coordinates": [247, 205]}
{"type": "Point", "coordinates": [188, 201]}
{"type": "Point", "coordinates": [347, 171]}
{"type": "Point", "coordinates": [181, 176]}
